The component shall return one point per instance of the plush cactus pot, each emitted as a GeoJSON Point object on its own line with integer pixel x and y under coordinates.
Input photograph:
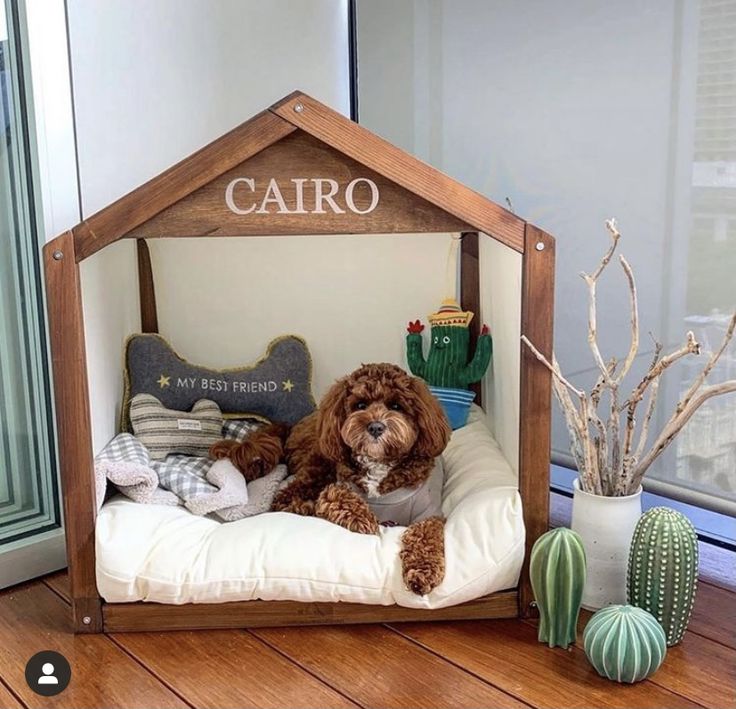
{"type": "Point", "coordinates": [557, 570]}
{"type": "Point", "coordinates": [624, 643]}
{"type": "Point", "coordinates": [455, 403]}
{"type": "Point", "coordinates": [663, 569]}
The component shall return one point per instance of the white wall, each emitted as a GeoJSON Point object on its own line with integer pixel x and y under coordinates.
{"type": "Point", "coordinates": [153, 82]}
{"type": "Point", "coordinates": [577, 110]}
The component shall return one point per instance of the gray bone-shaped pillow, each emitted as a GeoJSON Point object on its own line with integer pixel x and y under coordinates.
{"type": "Point", "coordinates": [278, 387]}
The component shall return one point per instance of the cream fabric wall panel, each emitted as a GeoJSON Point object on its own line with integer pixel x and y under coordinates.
{"type": "Point", "coordinates": [221, 300]}
{"type": "Point", "coordinates": [500, 278]}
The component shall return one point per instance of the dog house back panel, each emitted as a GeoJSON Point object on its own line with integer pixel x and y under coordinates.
{"type": "Point", "coordinates": [111, 309]}
{"type": "Point", "coordinates": [500, 293]}
{"type": "Point", "coordinates": [220, 301]}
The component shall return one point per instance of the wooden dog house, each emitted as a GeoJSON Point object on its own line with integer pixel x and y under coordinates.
{"type": "Point", "coordinates": [296, 168]}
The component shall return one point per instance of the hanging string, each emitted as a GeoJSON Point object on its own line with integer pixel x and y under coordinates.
{"type": "Point", "coordinates": [451, 267]}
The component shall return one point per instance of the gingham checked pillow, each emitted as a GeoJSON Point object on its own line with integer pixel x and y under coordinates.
{"type": "Point", "coordinates": [164, 431]}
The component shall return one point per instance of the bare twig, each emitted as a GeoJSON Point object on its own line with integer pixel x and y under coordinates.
{"type": "Point", "coordinates": [674, 426]}
{"type": "Point", "coordinates": [634, 346]}
{"type": "Point", "coordinates": [715, 356]}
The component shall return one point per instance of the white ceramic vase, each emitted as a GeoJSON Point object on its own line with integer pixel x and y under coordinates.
{"type": "Point", "coordinates": [606, 526]}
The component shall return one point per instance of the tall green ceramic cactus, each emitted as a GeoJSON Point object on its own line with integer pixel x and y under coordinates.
{"type": "Point", "coordinates": [557, 570]}
{"type": "Point", "coordinates": [663, 569]}
{"type": "Point", "coordinates": [447, 363]}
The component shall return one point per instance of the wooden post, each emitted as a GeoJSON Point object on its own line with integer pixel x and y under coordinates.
{"type": "Point", "coordinates": [74, 431]}
{"type": "Point", "coordinates": [537, 309]}
{"type": "Point", "coordinates": [146, 288]}
{"type": "Point", "coordinates": [470, 294]}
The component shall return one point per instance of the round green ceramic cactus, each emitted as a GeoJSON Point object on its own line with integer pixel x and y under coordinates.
{"type": "Point", "coordinates": [624, 643]}
{"type": "Point", "coordinates": [557, 570]}
{"type": "Point", "coordinates": [447, 363]}
{"type": "Point", "coordinates": [663, 569]}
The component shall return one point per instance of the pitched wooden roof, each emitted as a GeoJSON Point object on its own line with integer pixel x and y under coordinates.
{"type": "Point", "coordinates": [296, 112]}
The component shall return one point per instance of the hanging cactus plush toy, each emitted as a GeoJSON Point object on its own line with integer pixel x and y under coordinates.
{"type": "Point", "coordinates": [448, 369]}
{"type": "Point", "coordinates": [557, 570]}
{"type": "Point", "coordinates": [663, 569]}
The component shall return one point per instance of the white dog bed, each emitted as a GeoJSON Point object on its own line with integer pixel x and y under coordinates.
{"type": "Point", "coordinates": [168, 555]}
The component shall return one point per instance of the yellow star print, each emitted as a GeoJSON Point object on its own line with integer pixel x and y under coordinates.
{"type": "Point", "coordinates": [164, 381]}
{"type": "Point", "coordinates": [288, 385]}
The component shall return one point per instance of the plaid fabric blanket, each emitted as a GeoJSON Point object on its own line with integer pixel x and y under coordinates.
{"type": "Point", "coordinates": [202, 485]}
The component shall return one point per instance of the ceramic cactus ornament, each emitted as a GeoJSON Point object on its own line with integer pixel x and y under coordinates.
{"type": "Point", "coordinates": [557, 570]}
{"type": "Point", "coordinates": [663, 569]}
{"type": "Point", "coordinates": [624, 643]}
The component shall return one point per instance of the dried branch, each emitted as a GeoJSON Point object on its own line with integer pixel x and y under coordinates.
{"type": "Point", "coordinates": [575, 419]}
{"type": "Point", "coordinates": [644, 433]}
{"type": "Point", "coordinates": [715, 356]}
{"type": "Point", "coordinates": [634, 346]}
{"type": "Point", "coordinates": [674, 426]}
{"type": "Point", "coordinates": [554, 369]}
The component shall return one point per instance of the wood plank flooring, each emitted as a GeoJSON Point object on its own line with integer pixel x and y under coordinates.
{"type": "Point", "coordinates": [452, 664]}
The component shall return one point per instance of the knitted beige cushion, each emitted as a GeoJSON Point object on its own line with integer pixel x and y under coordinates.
{"type": "Point", "coordinates": [164, 431]}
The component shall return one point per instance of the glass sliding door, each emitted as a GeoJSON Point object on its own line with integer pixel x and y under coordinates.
{"type": "Point", "coordinates": [30, 518]}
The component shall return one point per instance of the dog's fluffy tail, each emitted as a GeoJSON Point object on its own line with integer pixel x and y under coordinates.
{"type": "Point", "coordinates": [258, 454]}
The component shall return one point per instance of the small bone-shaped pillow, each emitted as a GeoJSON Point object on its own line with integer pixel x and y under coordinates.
{"type": "Point", "coordinates": [278, 387]}
{"type": "Point", "coordinates": [164, 431]}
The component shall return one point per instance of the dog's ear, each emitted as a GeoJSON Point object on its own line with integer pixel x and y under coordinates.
{"type": "Point", "coordinates": [434, 429]}
{"type": "Point", "coordinates": [330, 421]}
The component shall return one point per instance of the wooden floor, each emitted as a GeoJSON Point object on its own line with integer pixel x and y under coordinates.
{"type": "Point", "coordinates": [454, 664]}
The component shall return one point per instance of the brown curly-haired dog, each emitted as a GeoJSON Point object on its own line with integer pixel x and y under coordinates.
{"type": "Point", "coordinates": [376, 431]}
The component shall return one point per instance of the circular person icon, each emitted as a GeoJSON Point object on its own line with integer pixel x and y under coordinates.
{"type": "Point", "coordinates": [48, 673]}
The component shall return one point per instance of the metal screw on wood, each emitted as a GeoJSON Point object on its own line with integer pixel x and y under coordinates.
{"type": "Point", "coordinates": [298, 107]}
{"type": "Point", "coordinates": [86, 620]}
{"type": "Point", "coordinates": [539, 246]}
{"type": "Point", "coordinates": [57, 255]}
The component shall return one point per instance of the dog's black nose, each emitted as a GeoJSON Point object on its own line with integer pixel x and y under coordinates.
{"type": "Point", "coordinates": [376, 428]}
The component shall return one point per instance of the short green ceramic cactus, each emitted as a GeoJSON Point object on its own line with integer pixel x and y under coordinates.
{"type": "Point", "coordinates": [447, 363]}
{"type": "Point", "coordinates": [557, 570]}
{"type": "Point", "coordinates": [624, 643]}
{"type": "Point", "coordinates": [663, 569]}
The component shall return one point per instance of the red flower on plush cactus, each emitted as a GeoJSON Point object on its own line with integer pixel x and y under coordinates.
{"type": "Point", "coordinates": [415, 327]}
{"type": "Point", "coordinates": [485, 330]}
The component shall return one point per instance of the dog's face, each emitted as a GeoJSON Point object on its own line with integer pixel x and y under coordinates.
{"type": "Point", "coordinates": [381, 413]}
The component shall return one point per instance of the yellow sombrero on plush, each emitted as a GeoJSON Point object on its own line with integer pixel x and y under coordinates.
{"type": "Point", "coordinates": [450, 314]}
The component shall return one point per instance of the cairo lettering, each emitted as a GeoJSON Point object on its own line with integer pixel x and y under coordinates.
{"type": "Point", "coordinates": [320, 197]}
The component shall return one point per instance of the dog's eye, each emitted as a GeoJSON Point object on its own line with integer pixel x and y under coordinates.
{"type": "Point", "coordinates": [395, 406]}
{"type": "Point", "coordinates": [361, 406]}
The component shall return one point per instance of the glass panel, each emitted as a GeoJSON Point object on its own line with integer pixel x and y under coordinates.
{"type": "Point", "coordinates": [572, 111]}
{"type": "Point", "coordinates": [28, 497]}
{"type": "Point", "coordinates": [706, 448]}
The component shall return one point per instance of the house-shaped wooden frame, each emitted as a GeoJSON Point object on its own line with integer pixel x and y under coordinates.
{"type": "Point", "coordinates": [297, 137]}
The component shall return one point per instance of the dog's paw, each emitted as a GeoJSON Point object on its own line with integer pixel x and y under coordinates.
{"type": "Point", "coordinates": [340, 505]}
{"type": "Point", "coordinates": [424, 578]}
{"type": "Point", "coordinates": [423, 555]}
{"type": "Point", "coordinates": [285, 502]}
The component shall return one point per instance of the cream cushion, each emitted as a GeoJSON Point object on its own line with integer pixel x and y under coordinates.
{"type": "Point", "coordinates": [168, 555]}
